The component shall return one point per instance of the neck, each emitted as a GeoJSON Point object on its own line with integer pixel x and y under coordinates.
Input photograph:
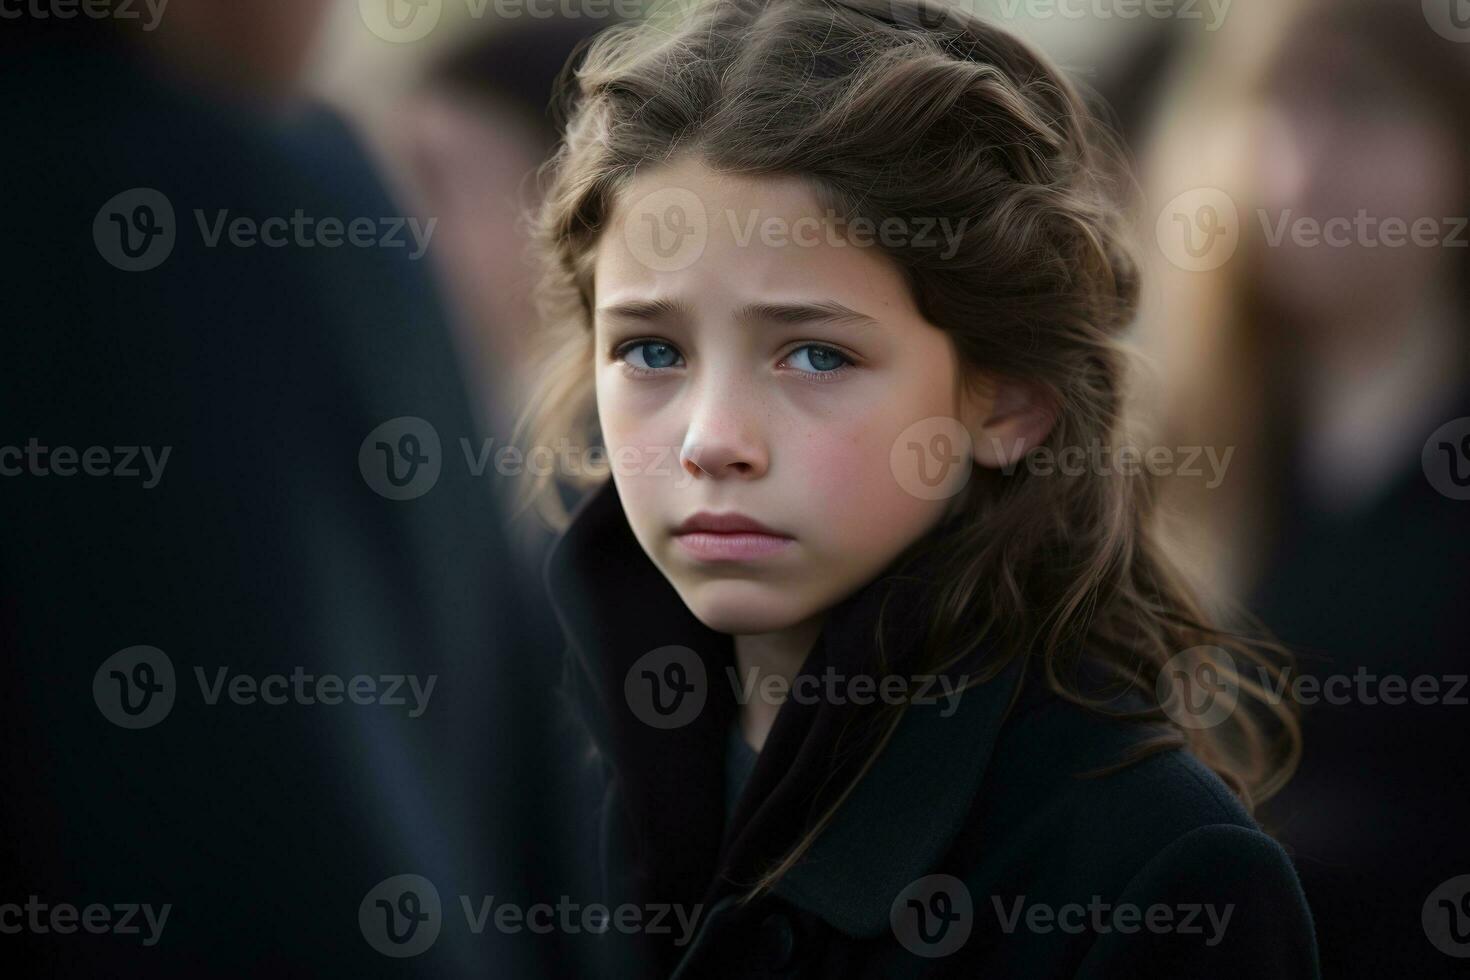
{"type": "Point", "coordinates": [768, 662]}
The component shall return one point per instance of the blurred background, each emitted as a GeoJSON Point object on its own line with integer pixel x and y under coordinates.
{"type": "Point", "coordinates": [1304, 349]}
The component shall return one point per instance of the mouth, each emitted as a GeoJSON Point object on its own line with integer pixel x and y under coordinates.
{"type": "Point", "coordinates": [729, 537]}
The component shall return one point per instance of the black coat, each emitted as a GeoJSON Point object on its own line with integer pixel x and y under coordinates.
{"type": "Point", "coordinates": [971, 815]}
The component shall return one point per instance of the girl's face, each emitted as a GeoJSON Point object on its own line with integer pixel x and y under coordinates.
{"type": "Point", "coordinates": [731, 378]}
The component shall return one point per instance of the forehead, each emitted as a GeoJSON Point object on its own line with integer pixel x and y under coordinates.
{"type": "Point", "coordinates": [684, 230]}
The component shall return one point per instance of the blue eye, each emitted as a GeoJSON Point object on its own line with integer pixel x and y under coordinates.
{"type": "Point", "coordinates": [649, 354]}
{"type": "Point", "coordinates": [822, 360]}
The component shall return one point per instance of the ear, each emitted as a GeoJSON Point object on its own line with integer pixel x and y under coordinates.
{"type": "Point", "coordinates": [1006, 418]}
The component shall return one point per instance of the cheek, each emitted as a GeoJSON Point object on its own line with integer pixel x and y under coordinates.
{"type": "Point", "coordinates": [851, 483]}
{"type": "Point", "coordinates": [624, 425]}
{"type": "Point", "coordinates": [638, 438]}
{"type": "Point", "coordinates": [642, 447]}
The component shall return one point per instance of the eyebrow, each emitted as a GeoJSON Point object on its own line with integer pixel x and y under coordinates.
{"type": "Point", "coordinates": [826, 311]}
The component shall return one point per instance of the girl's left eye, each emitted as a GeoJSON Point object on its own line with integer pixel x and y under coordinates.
{"type": "Point", "coordinates": [818, 359]}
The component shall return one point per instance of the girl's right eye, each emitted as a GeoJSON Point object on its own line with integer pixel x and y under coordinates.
{"type": "Point", "coordinates": [648, 356]}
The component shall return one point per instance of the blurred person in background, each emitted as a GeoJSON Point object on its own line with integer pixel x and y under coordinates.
{"type": "Point", "coordinates": [1330, 351]}
{"type": "Point", "coordinates": [473, 134]}
{"type": "Point", "coordinates": [465, 142]}
{"type": "Point", "coordinates": [291, 516]}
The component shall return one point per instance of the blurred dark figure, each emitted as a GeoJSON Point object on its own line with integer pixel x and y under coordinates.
{"type": "Point", "coordinates": [1353, 352]}
{"type": "Point", "coordinates": [245, 458]}
{"type": "Point", "coordinates": [470, 139]}
{"type": "Point", "coordinates": [471, 136]}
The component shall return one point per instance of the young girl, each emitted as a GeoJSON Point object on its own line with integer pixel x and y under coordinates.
{"type": "Point", "coordinates": [884, 668]}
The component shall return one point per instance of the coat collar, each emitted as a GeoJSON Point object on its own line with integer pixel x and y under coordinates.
{"type": "Point", "coordinates": [616, 607]}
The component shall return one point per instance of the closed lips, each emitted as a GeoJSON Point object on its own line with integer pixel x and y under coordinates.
{"type": "Point", "coordinates": [731, 524]}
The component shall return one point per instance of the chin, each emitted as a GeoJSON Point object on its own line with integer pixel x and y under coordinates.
{"type": "Point", "coordinates": [744, 608]}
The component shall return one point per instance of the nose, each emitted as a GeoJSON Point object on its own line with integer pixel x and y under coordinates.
{"type": "Point", "coordinates": [725, 437]}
